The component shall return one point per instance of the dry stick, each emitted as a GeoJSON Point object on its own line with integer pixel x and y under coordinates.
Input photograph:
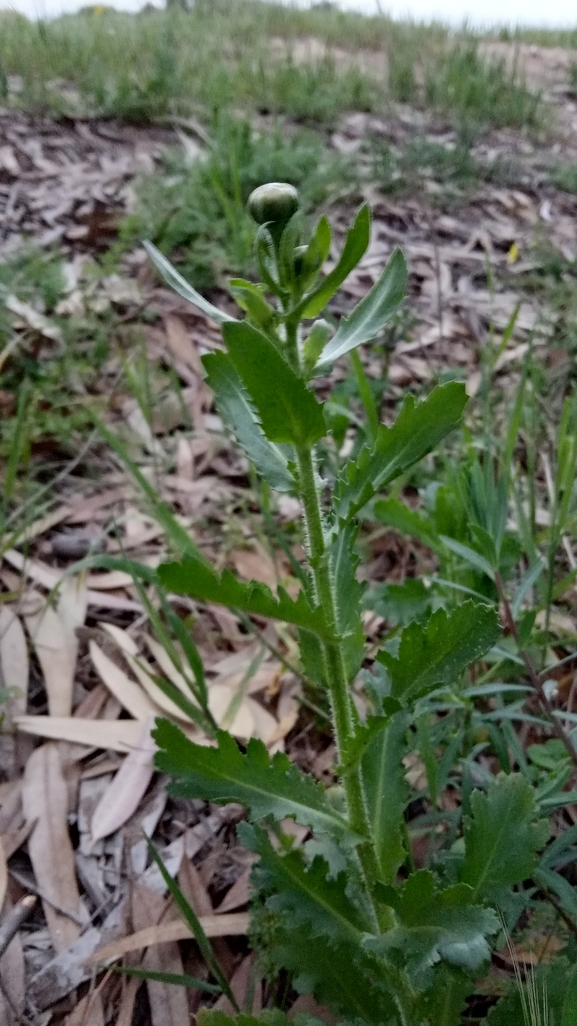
{"type": "Point", "coordinates": [533, 675]}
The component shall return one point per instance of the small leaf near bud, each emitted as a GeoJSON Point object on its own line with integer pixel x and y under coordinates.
{"type": "Point", "coordinates": [275, 201]}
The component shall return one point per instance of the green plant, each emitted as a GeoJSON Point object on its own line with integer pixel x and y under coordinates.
{"type": "Point", "coordinates": [199, 210]}
{"type": "Point", "coordinates": [478, 92]}
{"type": "Point", "coordinates": [346, 914]}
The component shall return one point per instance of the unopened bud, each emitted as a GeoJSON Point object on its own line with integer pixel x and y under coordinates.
{"type": "Point", "coordinates": [275, 201]}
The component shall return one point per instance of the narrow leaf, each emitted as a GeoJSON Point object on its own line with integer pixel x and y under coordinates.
{"type": "Point", "coordinates": [194, 924]}
{"type": "Point", "coordinates": [287, 409]}
{"type": "Point", "coordinates": [266, 786]}
{"type": "Point", "coordinates": [419, 427]}
{"type": "Point", "coordinates": [438, 652]}
{"type": "Point", "coordinates": [356, 243]}
{"type": "Point", "coordinates": [236, 410]}
{"type": "Point", "coordinates": [191, 982]}
{"type": "Point", "coordinates": [178, 283]}
{"type": "Point", "coordinates": [469, 555]}
{"type": "Point", "coordinates": [387, 793]}
{"type": "Point", "coordinates": [395, 513]}
{"type": "Point", "coordinates": [372, 313]}
{"type": "Point", "coordinates": [191, 577]}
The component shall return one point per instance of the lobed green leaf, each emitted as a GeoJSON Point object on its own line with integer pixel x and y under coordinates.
{"type": "Point", "coordinates": [266, 786]}
{"type": "Point", "coordinates": [437, 652]}
{"type": "Point", "coordinates": [191, 577]}
{"type": "Point", "coordinates": [502, 838]}
{"type": "Point", "coordinates": [435, 925]}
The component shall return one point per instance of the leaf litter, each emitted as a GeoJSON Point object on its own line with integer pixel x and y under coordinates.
{"type": "Point", "coordinates": [78, 652]}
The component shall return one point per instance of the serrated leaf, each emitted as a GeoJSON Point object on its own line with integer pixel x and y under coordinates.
{"type": "Point", "coordinates": [445, 1000]}
{"type": "Point", "coordinates": [338, 976]}
{"type": "Point", "coordinates": [305, 895]}
{"type": "Point", "coordinates": [287, 409]}
{"type": "Point", "coordinates": [356, 243]}
{"type": "Point", "coordinates": [502, 837]}
{"type": "Point", "coordinates": [387, 793]}
{"type": "Point", "coordinates": [419, 427]}
{"type": "Point", "coordinates": [191, 577]}
{"type": "Point", "coordinates": [436, 925]}
{"type": "Point", "coordinates": [266, 786]}
{"type": "Point", "coordinates": [236, 410]}
{"type": "Point", "coordinates": [316, 932]}
{"type": "Point", "coordinates": [437, 652]}
{"type": "Point", "coordinates": [180, 285]}
{"type": "Point", "coordinates": [371, 314]}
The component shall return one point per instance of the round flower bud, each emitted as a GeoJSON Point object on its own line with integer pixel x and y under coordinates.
{"type": "Point", "coordinates": [275, 201]}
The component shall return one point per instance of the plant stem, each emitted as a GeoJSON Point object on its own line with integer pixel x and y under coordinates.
{"type": "Point", "coordinates": [341, 702]}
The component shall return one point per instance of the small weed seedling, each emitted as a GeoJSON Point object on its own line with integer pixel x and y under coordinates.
{"type": "Point", "coordinates": [346, 914]}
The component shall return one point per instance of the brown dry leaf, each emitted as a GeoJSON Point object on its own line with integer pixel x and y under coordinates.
{"type": "Point", "coordinates": [122, 797]}
{"type": "Point", "coordinates": [48, 578]}
{"type": "Point", "coordinates": [155, 693]}
{"type": "Point", "coordinates": [234, 924]}
{"type": "Point", "coordinates": [168, 1004]}
{"type": "Point", "coordinates": [240, 985]}
{"type": "Point", "coordinates": [238, 894]}
{"type": "Point", "coordinates": [117, 735]}
{"type": "Point", "coordinates": [128, 693]}
{"type": "Point", "coordinates": [181, 345]}
{"type": "Point", "coordinates": [220, 698]}
{"type": "Point", "coordinates": [265, 725]}
{"type": "Point", "coordinates": [13, 660]}
{"type": "Point", "coordinates": [167, 666]}
{"type": "Point", "coordinates": [88, 1012]}
{"type": "Point", "coordinates": [123, 639]}
{"type": "Point", "coordinates": [126, 1010]}
{"type": "Point", "coordinates": [254, 566]}
{"type": "Point", "coordinates": [45, 803]}
{"type": "Point", "coordinates": [56, 650]}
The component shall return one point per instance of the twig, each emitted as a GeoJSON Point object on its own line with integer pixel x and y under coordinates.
{"type": "Point", "coordinates": [13, 920]}
{"type": "Point", "coordinates": [534, 677]}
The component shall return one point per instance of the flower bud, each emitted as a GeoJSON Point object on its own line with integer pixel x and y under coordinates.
{"type": "Point", "coordinates": [275, 201]}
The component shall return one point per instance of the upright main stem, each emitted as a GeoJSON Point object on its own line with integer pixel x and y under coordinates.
{"type": "Point", "coordinates": [319, 559]}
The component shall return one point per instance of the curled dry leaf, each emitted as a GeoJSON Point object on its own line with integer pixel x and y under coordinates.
{"type": "Point", "coordinates": [45, 803]}
{"type": "Point", "coordinates": [122, 797]}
